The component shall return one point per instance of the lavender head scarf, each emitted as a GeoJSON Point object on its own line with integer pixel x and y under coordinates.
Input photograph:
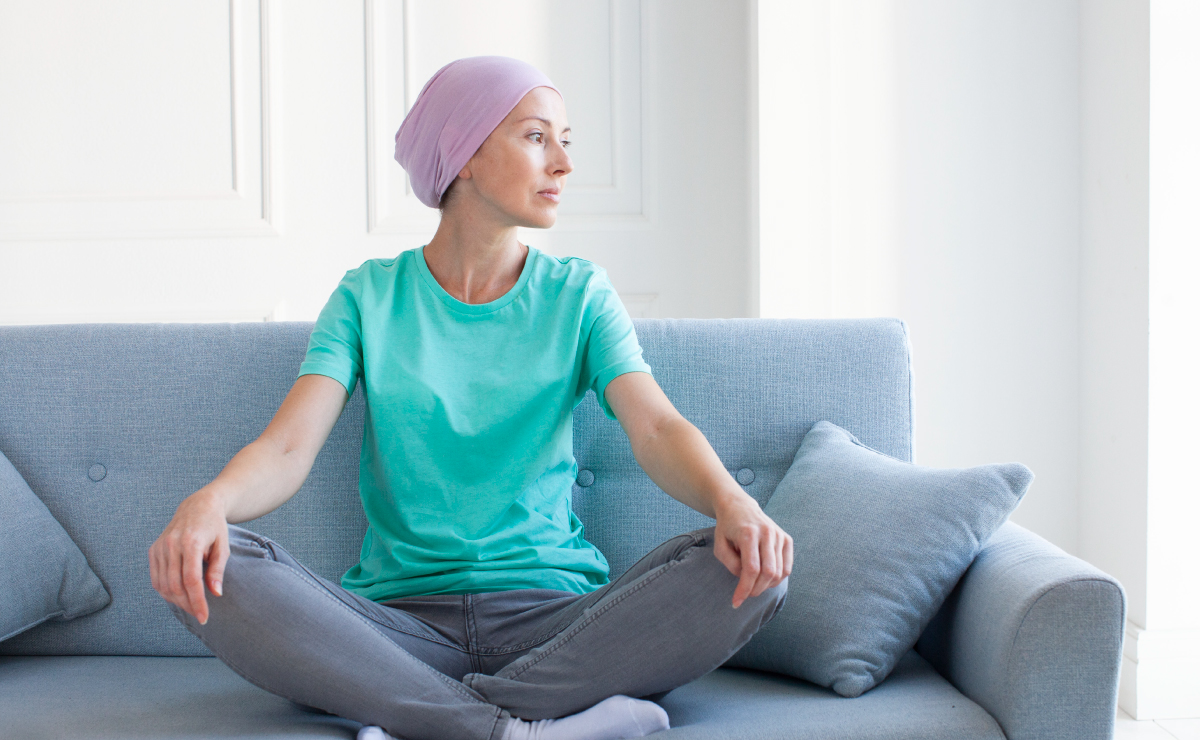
{"type": "Point", "coordinates": [453, 115]}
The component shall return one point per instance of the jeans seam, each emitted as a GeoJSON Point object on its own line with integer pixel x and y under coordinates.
{"type": "Point", "coordinates": [371, 624]}
{"type": "Point", "coordinates": [354, 607]}
{"type": "Point", "coordinates": [503, 649]}
{"type": "Point", "coordinates": [634, 588]}
{"type": "Point", "coordinates": [472, 634]}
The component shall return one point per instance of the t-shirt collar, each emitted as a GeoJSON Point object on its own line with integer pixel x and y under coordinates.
{"type": "Point", "coordinates": [475, 308]}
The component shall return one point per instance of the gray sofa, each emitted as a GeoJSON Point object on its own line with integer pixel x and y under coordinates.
{"type": "Point", "coordinates": [112, 425]}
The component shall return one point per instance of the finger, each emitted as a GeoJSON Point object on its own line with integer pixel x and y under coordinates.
{"type": "Point", "coordinates": [193, 582]}
{"type": "Point", "coordinates": [176, 594]}
{"type": "Point", "coordinates": [161, 576]}
{"type": "Point", "coordinates": [769, 564]}
{"type": "Point", "coordinates": [787, 556]}
{"type": "Point", "coordinates": [748, 550]}
{"type": "Point", "coordinates": [725, 553]}
{"type": "Point", "coordinates": [172, 577]}
{"type": "Point", "coordinates": [218, 555]}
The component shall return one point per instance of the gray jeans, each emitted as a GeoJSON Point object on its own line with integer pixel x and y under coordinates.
{"type": "Point", "coordinates": [461, 665]}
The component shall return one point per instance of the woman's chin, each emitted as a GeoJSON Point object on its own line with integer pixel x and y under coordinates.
{"type": "Point", "coordinates": [543, 218]}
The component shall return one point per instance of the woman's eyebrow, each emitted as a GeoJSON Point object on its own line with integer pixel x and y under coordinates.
{"type": "Point", "coordinates": [543, 120]}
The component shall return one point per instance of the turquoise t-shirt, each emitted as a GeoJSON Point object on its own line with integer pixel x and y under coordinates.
{"type": "Point", "coordinates": [466, 465]}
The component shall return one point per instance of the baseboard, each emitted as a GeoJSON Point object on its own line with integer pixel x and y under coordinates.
{"type": "Point", "coordinates": [1159, 679]}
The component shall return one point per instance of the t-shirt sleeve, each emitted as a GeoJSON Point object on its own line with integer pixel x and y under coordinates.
{"type": "Point", "coordinates": [335, 345]}
{"type": "Point", "coordinates": [610, 346]}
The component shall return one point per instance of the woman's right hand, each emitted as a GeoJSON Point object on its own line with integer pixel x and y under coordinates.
{"type": "Point", "coordinates": [259, 478]}
{"type": "Point", "coordinates": [197, 534]}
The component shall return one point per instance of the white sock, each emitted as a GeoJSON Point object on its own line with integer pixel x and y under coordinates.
{"type": "Point", "coordinates": [616, 718]}
{"type": "Point", "coordinates": [373, 732]}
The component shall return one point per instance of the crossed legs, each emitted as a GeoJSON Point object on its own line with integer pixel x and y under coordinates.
{"type": "Point", "coordinates": [665, 622]}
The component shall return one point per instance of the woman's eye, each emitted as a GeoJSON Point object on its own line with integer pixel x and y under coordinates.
{"type": "Point", "coordinates": [540, 135]}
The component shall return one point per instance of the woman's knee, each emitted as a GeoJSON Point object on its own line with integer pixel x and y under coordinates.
{"type": "Point", "coordinates": [678, 546]}
{"type": "Point", "coordinates": [247, 542]}
{"type": "Point", "coordinates": [244, 582]}
{"type": "Point", "coordinates": [777, 595]}
{"type": "Point", "coordinates": [250, 549]}
{"type": "Point", "coordinates": [243, 545]}
{"type": "Point", "coordinates": [770, 601]}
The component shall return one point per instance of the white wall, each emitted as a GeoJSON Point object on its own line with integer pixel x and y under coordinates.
{"type": "Point", "coordinates": [1139, 313]}
{"type": "Point", "coordinates": [182, 162]}
{"type": "Point", "coordinates": [1114, 292]}
{"type": "Point", "coordinates": [1169, 649]}
{"type": "Point", "coordinates": [1174, 438]}
{"type": "Point", "coordinates": [828, 108]}
{"type": "Point", "coordinates": [920, 159]}
{"type": "Point", "coordinates": [990, 188]}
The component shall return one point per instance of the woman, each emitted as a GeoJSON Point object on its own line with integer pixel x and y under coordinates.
{"type": "Point", "coordinates": [477, 610]}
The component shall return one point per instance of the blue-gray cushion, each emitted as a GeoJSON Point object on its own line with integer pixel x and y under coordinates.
{"type": "Point", "coordinates": [879, 544]}
{"type": "Point", "coordinates": [43, 575]}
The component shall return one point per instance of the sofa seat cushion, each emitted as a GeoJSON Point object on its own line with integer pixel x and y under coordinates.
{"type": "Point", "coordinates": [913, 703]}
{"type": "Point", "coordinates": [105, 697]}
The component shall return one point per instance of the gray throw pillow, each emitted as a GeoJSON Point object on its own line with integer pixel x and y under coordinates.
{"type": "Point", "coordinates": [879, 544]}
{"type": "Point", "coordinates": [43, 575]}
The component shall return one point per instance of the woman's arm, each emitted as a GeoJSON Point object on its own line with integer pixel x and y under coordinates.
{"type": "Point", "coordinates": [678, 458]}
{"type": "Point", "coordinates": [259, 479]}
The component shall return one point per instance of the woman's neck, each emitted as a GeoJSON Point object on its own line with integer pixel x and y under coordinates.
{"type": "Point", "coordinates": [475, 265]}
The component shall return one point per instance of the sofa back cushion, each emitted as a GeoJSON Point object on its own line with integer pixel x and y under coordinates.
{"type": "Point", "coordinates": [163, 407]}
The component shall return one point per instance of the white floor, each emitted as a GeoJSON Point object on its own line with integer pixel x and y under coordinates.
{"type": "Point", "coordinates": [1129, 728]}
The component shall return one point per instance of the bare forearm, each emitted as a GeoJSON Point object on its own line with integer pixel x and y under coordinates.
{"type": "Point", "coordinates": [679, 459]}
{"type": "Point", "coordinates": [259, 479]}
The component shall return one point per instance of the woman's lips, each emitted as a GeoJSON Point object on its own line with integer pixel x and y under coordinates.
{"type": "Point", "coordinates": [549, 195]}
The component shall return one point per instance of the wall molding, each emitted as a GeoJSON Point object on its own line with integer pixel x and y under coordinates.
{"type": "Point", "coordinates": [250, 207]}
{"type": "Point", "coordinates": [624, 203]}
{"type": "Point", "coordinates": [1158, 673]}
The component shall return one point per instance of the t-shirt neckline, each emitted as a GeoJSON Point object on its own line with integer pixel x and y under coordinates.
{"type": "Point", "coordinates": [476, 308]}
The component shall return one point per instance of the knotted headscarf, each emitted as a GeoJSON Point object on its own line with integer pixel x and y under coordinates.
{"type": "Point", "coordinates": [453, 115]}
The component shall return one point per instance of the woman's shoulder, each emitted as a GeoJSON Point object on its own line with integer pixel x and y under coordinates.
{"type": "Point", "coordinates": [378, 269]}
{"type": "Point", "coordinates": [569, 271]}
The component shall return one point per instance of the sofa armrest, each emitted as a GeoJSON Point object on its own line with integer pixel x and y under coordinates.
{"type": "Point", "coordinates": [1033, 635]}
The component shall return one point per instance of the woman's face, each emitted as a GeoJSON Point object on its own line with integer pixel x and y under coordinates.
{"type": "Point", "coordinates": [521, 169]}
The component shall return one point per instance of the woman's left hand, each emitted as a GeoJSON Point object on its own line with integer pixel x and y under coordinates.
{"type": "Point", "coordinates": [680, 460]}
{"type": "Point", "coordinates": [752, 546]}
